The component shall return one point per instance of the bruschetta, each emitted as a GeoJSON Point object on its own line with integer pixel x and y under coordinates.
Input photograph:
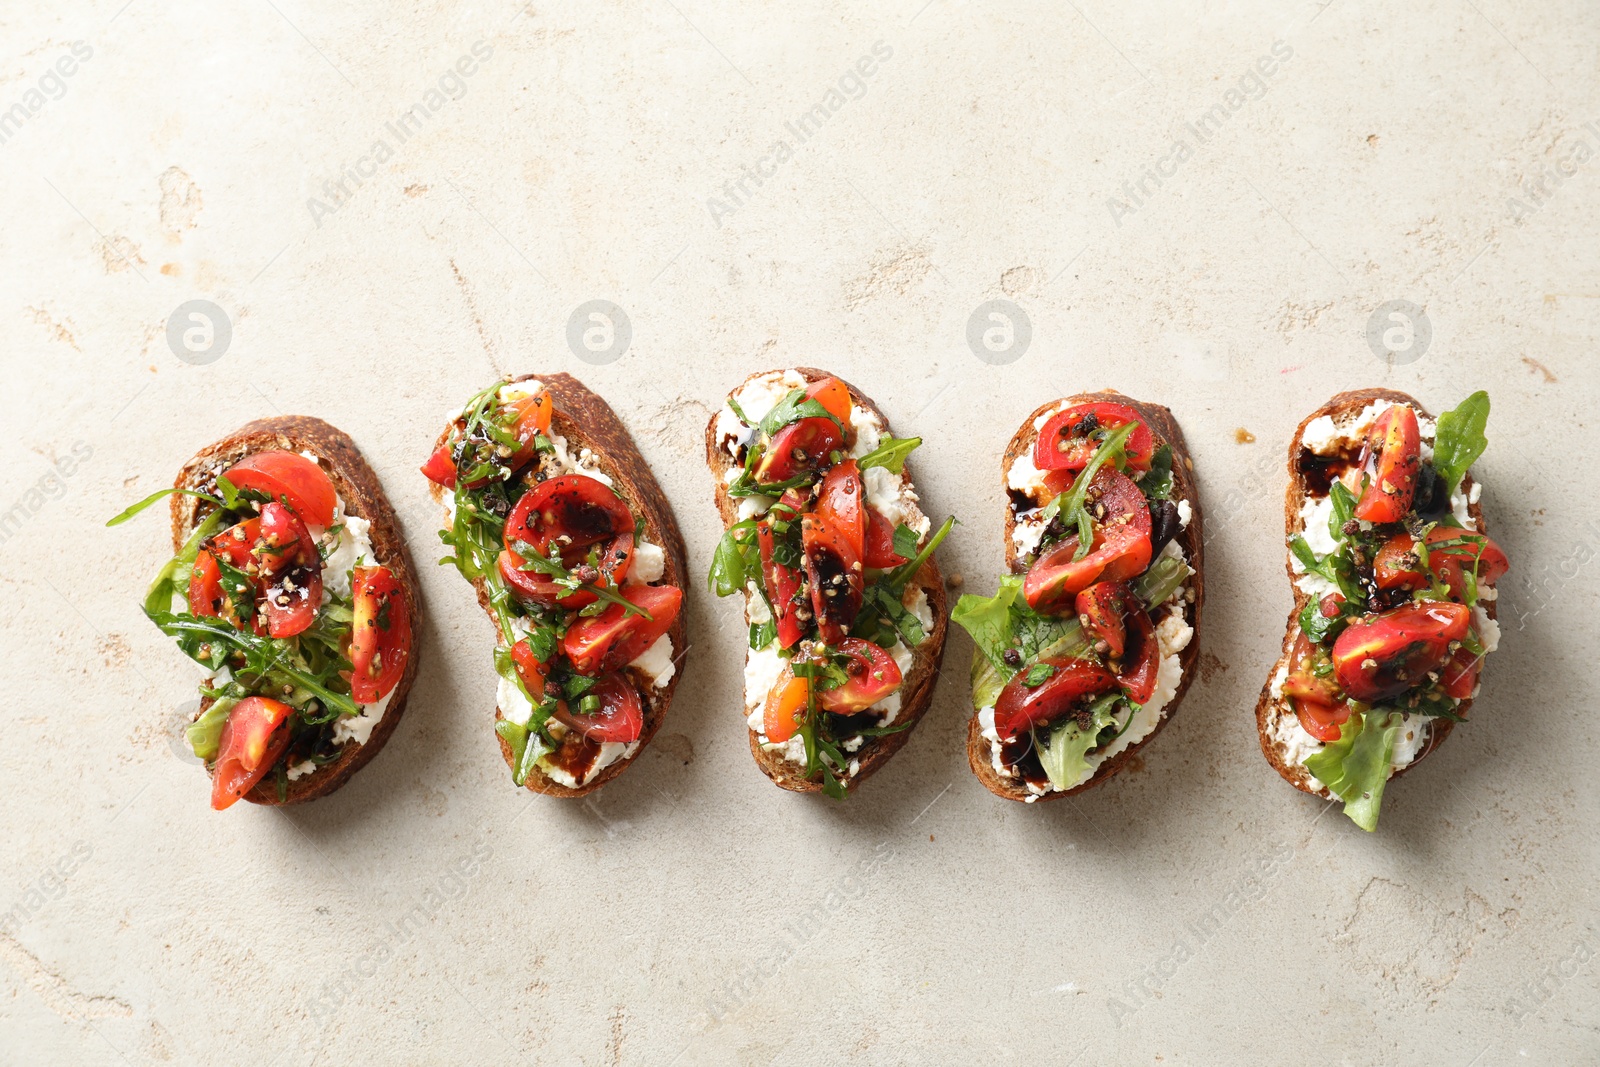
{"type": "Point", "coordinates": [556, 520]}
{"type": "Point", "coordinates": [292, 589]}
{"type": "Point", "coordinates": [827, 543]}
{"type": "Point", "coordinates": [1394, 599]}
{"type": "Point", "coordinates": [1087, 649]}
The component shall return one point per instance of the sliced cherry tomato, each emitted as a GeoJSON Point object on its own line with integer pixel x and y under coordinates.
{"type": "Point", "coordinates": [533, 418]}
{"type": "Point", "coordinates": [1397, 565]}
{"type": "Point", "coordinates": [533, 671]}
{"type": "Point", "coordinates": [783, 585]}
{"type": "Point", "coordinates": [840, 502]}
{"type": "Point", "coordinates": [531, 585]}
{"type": "Point", "coordinates": [1310, 673]}
{"type": "Point", "coordinates": [833, 571]}
{"type": "Point", "coordinates": [1459, 676]}
{"type": "Point", "coordinates": [798, 446]}
{"type": "Point", "coordinates": [581, 509]}
{"type": "Point", "coordinates": [616, 637]}
{"type": "Point", "coordinates": [253, 739]}
{"type": "Point", "coordinates": [1390, 457]}
{"type": "Point", "coordinates": [1020, 708]}
{"type": "Point", "coordinates": [1322, 721]}
{"type": "Point", "coordinates": [441, 466]}
{"type": "Point", "coordinates": [380, 635]}
{"type": "Point", "coordinates": [880, 553]}
{"type": "Point", "coordinates": [1121, 548]}
{"type": "Point", "coordinates": [1331, 606]}
{"type": "Point", "coordinates": [1100, 609]}
{"type": "Point", "coordinates": [237, 543]}
{"type": "Point", "coordinates": [833, 395]}
{"type": "Point", "coordinates": [1065, 444]}
{"type": "Point", "coordinates": [873, 676]}
{"type": "Point", "coordinates": [786, 707]}
{"type": "Point", "coordinates": [619, 718]}
{"type": "Point", "coordinates": [293, 569]}
{"type": "Point", "coordinates": [1141, 661]}
{"type": "Point", "coordinates": [207, 597]}
{"type": "Point", "coordinates": [1381, 656]}
{"type": "Point", "coordinates": [290, 478]}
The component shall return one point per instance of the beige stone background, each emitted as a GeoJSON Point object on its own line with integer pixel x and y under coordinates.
{"type": "Point", "coordinates": [1195, 911]}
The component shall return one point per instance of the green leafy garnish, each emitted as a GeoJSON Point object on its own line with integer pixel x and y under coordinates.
{"type": "Point", "coordinates": [891, 454]}
{"type": "Point", "coordinates": [1156, 484]}
{"type": "Point", "coordinates": [128, 513]}
{"type": "Point", "coordinates": [1063, 755]}
{"type": "Point", "coordinates": [1459, 439]}
{"type": "Point", "coordinates": [1039, 674]}
{"type": "Point", "coordinates": [792, 408]}
{"type": "Point", "coordinates": [905, 541]}
{"type": "Point", "coordinates": [1355, 768]}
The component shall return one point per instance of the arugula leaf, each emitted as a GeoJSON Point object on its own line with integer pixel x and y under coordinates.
{"type": "Point", "coordinates": [891, 454]}
{"type": "Point", "coordinates": [901, 575]}
{"type": "Point", "coordinates": [1063, 756]}
{"type": "Point", "coordinates": [1317, 627]}
{"type": "Point", "coordinates": [526, 748]}
{"type": "Point", "coordinates": [1038, 674]}
{"type": "Point", "coordinates": [1459, 439]}
{"type": "Point", "coordinates": [1342, 508]}
{"type": "Point", "coordinates": [1069, 505]}
{"type": "Point", "coordinates": [905, 541]}
{"type": "Point", "coordinates": [1157, 481]}
{"type": "Point", "coordinates": [763, 634]}
{"type": "Point", "coordinates": [1355, 768]}
{"type": "Point", "coordinates": [792, 408]}
{"type": "Point", "coordinates": [729, 571]}
{"type": "Point", "coordinates": [134, 509]}
{"type": "Point", "coordinates": [553, 568]}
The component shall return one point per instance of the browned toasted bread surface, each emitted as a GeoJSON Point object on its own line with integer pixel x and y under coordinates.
{"type": "Point", "coordinates": [1166, 430]}
{"type": "Point", "coordinates": [362, 494]}
{"type": "Point", "coordinates": [916, 692]}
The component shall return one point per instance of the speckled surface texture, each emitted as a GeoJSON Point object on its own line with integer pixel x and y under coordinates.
{"type": "Point", "coordinates": [1195, 911]}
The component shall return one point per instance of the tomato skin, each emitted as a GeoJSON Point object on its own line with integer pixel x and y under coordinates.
{"type": "Point", "coordinates": [1100, 609]}
{"type": "Point", "coordinates": [619, 718]}
{"type": "Point", "coordinates": [797, 447]}
{"type": "Point", "coordinates": [1121, 548]}
{"type": "Point", "coordinates": [1397, 565]}
{"type": "Point", "coordinates": [786, 707]}
{"type": "Point", "coordinates": [1391, 456]}
{"type": "Point", "coordinates": [1050, 455]}
{"type": "Point", "coordinates": [1304, 681]}
{"type": "Point", "coordinates": [834, 396]}
{"type": "Point", "coordinates": [1020, 708]}
{"type": "Point", "coordinates": [288, 477]}
{"type": "Point", "coordinates": [441, 467]}
{"type": "Point", "coordinates": [1381, 656]}
{"type": "Point", "coordinates": [575, 506]}
{"type": "Point", "coordinates": [615, 638]}
{"type": "Point", "coordinates": [873, 675]}
{"type": "Point", "coordinates": [833, 571]}
{"type": "Point", "coordinates": [253, 739]}
{"type": "Point", "coordinates": [783, 583]}
{"type": "Point", "coordinates": [236, 544]}
{"type": "Point", "coordinates": [205, 586]}
{"type": "Point", "coordinates": [380, 635]}
{"type": "Point", "coordinates": [533, 418]}
{"type": "Point", "coordinates": [1142, 658]}
{"type": "Point", "coordinates": [1459, 675]}
{"type": "Point", "coordinates": [293, 568]}
{"type": "Point", "coordinates": [840, 503]}
{"type": "Point", "coordinates": [880, 553]}
{"type": "Point", "coordinates": [533, 671]}
{"type": "Point", "coordinates": [1321, 721]}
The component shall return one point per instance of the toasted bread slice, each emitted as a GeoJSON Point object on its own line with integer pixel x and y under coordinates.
{"type": "Point", "coordinates": [588, 422]}
{"type": "Point", "coordinates": [362, 495]}
{"type": "Point", "coordinates": [1269, 709]}
{"type": "Point", "coordinates": [1190, 538]}
{"type": "Point", "coordinates": [916, 690]}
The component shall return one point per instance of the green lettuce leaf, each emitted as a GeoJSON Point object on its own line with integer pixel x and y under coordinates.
{"type": "Point", "coordinates": [1063, 757]}
{"type": "Point", "coordinates": [1459, 440]}
{"type": "Point", "coordinates": [1356, 767]}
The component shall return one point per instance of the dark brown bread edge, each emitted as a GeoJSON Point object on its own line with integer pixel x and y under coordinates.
{"type": "Point", "coordinates": [1293, 499]}
{"type": "Point", "coordinates": [584, 418]}
{"type": "Point", "coordinates": [917, 688]}
{"type": "Point", "coordinates": [1192, 540]}
{"type": "Point", "coordinates": [363, 495]}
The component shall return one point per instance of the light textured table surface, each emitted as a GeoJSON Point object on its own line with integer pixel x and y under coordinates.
{"type": "Point", "coordinates": [1197, 911]}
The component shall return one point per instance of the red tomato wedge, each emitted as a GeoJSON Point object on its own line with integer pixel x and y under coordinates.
{"type": "Point", "coordinates": [533, 418]}
{"type": "Point", "coordinates": [1381, 656]}
{"type": "Point", "coordinates": [786, 707]}
{"type": "Point", "coordinates": [1321, 721]}
{"type": "Point", "coordinates": [840, 503]}
{"type": "Point", "coordinates": [1141, 659]}
{"type": "Point", "coordinates": [1064, 444]}
{"type": "Point", "coordinates": [615, 637]}
{"type": "Point", "coordinates": [1397, 565]}
{"type": "Point", "coordinates": [530, 668]}
{"type": "Point", "coordinates": [539, 588]}
{"type": "Point", "coordinates": [237, 543]}
{"type": "Point", "coordinates": [1121, 548]}
{"type": "Point", "coordinates": [1020, 708]}
{"type": "Point", "coordinates": [619, 718]}
{"type": "Point", "coordinates": [834, 396]}
{"type": "Point", "coordinates": [1459, 675]}
{"type": "Point", "coordinates": [880, 553]}
{"type": "Point", "coordinates": [441, 467]}
{"type": "Point", "coordinates": [1310, 675]}
{"type": "Point", "coordinates": [797, 447]}
{"type": "Point", "coordinates": [783, 583]}
{"type": "Point", "coordinates": [581, 509]}
{"type": "Point", "coordinates": [293, 567]}
{"type": "Point", "coordinates": [208, 598]}
{"type": "Point", "coordinates": [1391, 457]}
{"type": "Point", "coordinates": [253, 739]}
{"type": "Point", "coordinates": [833, 571]}
{"type": "Point", "coordinates": [290, 478]}
{"type": "Point", "coordinates": [1100, 609]}
{"type": "Point", "coordinates": [873, 676]}
{"type": "Point", "coordinates": [380, 635]}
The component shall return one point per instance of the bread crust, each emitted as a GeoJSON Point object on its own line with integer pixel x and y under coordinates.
{"type": "Point", "coordinates": [916, 692]}
{"type": "Point", "coordinates": [358, 487]}
{"type": "Point", "coordinates": [584, 418]}
{"type": "Point", "coordinates": [1192, 540]}
{"type": "Point", "coordinates": [1268, 707]}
